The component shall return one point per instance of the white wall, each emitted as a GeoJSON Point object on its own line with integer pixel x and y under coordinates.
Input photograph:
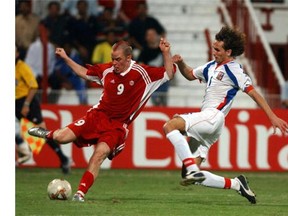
{"type": "Point", "coordinates": [279, 20]}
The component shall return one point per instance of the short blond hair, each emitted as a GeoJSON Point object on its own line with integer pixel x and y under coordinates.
{"type": "Point", "coordinates": [123, 45]}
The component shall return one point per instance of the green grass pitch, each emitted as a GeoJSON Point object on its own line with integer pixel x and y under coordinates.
{"type": "Point", "coordinates": [148, 192]}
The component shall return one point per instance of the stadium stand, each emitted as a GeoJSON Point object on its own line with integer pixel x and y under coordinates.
{"type": "Point", "coordinates": [190, 25]}
{"type": "Point", "coordinates": [186, 22]}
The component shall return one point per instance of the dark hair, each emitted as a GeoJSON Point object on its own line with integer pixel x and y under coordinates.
{"type": "Point", "coordinates": [141, 3]}
{"type": "Point", "coordinates": [81, 2]}
{"type": "Point", "coordinates": [233, 39]}
{"type": "Point", "coordinates": [52, 3]}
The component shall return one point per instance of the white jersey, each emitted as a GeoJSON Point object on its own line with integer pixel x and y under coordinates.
{"type": "Point", "coordinates": [223, 83]}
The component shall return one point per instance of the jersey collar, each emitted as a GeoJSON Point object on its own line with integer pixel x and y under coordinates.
{"type": "Point", "coordinates": [128, 69]}
{"type": "Point", "coordinates": [224, 62]}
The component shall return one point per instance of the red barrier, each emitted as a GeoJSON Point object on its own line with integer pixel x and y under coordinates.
{"type": "Point", "coordinates": [209, 44]}
{"type": "Point", "coordinates": [247, 142]}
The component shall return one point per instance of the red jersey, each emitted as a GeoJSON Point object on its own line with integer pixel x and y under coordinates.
{"type": "Point", "coordinates": [125, 94]}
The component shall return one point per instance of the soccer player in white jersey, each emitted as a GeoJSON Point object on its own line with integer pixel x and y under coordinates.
{"type": "Point", "coordinates": [127, 86]}
{"type": "Point", "coordinates": [223, 77]}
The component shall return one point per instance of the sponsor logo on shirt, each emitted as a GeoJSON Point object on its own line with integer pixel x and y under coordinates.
{"type": "Point", "coordinates": [220, 75]}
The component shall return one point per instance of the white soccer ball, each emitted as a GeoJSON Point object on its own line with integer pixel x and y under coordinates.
{"type": "Point", "coordinates": [59, 189]}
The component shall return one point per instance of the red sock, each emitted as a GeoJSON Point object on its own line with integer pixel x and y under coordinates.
{"type": "Point", "coordinates": [227, 183]}
{"type": "Point", "coordinates": [188, 162]}
{"type": "Point", "coordinates": [86, 182]}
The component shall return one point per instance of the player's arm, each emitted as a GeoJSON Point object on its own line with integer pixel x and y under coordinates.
{"type": "Point", "coordinates": [167, 58]}
{"type": "Point", "coordinates": [77, 68]}
{"type": "Point", "coordinates": [26, 106]}
{"type": "Point", "coordinates": [32, 92]}
{"type": "Point", "coordinates": [274, 119]}
{"type": "Point", "coordinates": [29, 78]}
{"type": "Point", "coordinates": [185, 70]}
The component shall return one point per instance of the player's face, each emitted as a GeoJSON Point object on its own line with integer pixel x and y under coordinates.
{"type": "Point", "coordinates": [219, 53]}
{"type": "Point", "coordinates": [120, 61]}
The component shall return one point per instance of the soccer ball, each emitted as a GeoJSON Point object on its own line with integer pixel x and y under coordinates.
{"type": "Point", "coordinates": [59, 189]}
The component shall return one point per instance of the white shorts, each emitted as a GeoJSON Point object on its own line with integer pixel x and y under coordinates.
{"type": "Point", "coordinates": [206, 127]}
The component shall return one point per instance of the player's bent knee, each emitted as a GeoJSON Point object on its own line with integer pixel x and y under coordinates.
{"type": "Point", "coordinates": [176, 123]}
{"type": "Point", "coordinates": [165, 128]}
{"type": "Point", "coordinates": [168, 127]}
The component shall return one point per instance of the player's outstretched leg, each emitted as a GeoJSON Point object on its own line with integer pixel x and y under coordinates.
{"type": "Point", "coordinates": [38, 132]}
{"type": "Point", "coordinates": [42, 133]}
{"type": "Point", "coordinates": [239, 184]}
{"type": "Point", "coordinates": [245, 190]}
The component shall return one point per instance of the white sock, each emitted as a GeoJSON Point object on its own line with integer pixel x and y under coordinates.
{"type": "Point", "coordinates": [216, 181]}
{"type": "Point", "coordinates": [81, 193]}
{"type": "Point", "coordinates": [213, 180]}
{"type": "Point", "coordinates": [182, 149]}
{"type": "Point", "coordinates": [235, 185]}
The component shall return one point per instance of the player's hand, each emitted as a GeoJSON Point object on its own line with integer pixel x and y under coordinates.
{"type": "Point", "coordinates": [177, 59]}
{"type": "Point", "coordinates": [25, 110]}
{"type": "Point", "coordinates": [279, 123]}
{"type": "Point", "coordinates": [164, 45]}
{"type": "Point", "coordinates": [60, 52]}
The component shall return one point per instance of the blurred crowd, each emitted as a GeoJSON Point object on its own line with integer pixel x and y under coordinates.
{"type": "Point", "coordinates": [86, 29]}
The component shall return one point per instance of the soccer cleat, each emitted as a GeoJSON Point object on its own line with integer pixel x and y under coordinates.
{"type": "Point", "coordinates": [244, 190]}
{"type": "Point", "coordinates": [192, 178]}
{"type": "Point", "coordinates": [38, 132]}
{"type": "Point", "coordinates": [183, 171]}
{"type": "Point", "coordinates": [78, 197]}
{"type": "Point", "coordinates": [66, 166]}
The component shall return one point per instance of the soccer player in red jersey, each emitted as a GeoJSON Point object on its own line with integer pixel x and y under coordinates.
{"type": "Point", "coordinates": [127, 86]}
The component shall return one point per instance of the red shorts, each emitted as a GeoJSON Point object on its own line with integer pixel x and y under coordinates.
{"type": "Point", "coordinates": [96, 127]}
